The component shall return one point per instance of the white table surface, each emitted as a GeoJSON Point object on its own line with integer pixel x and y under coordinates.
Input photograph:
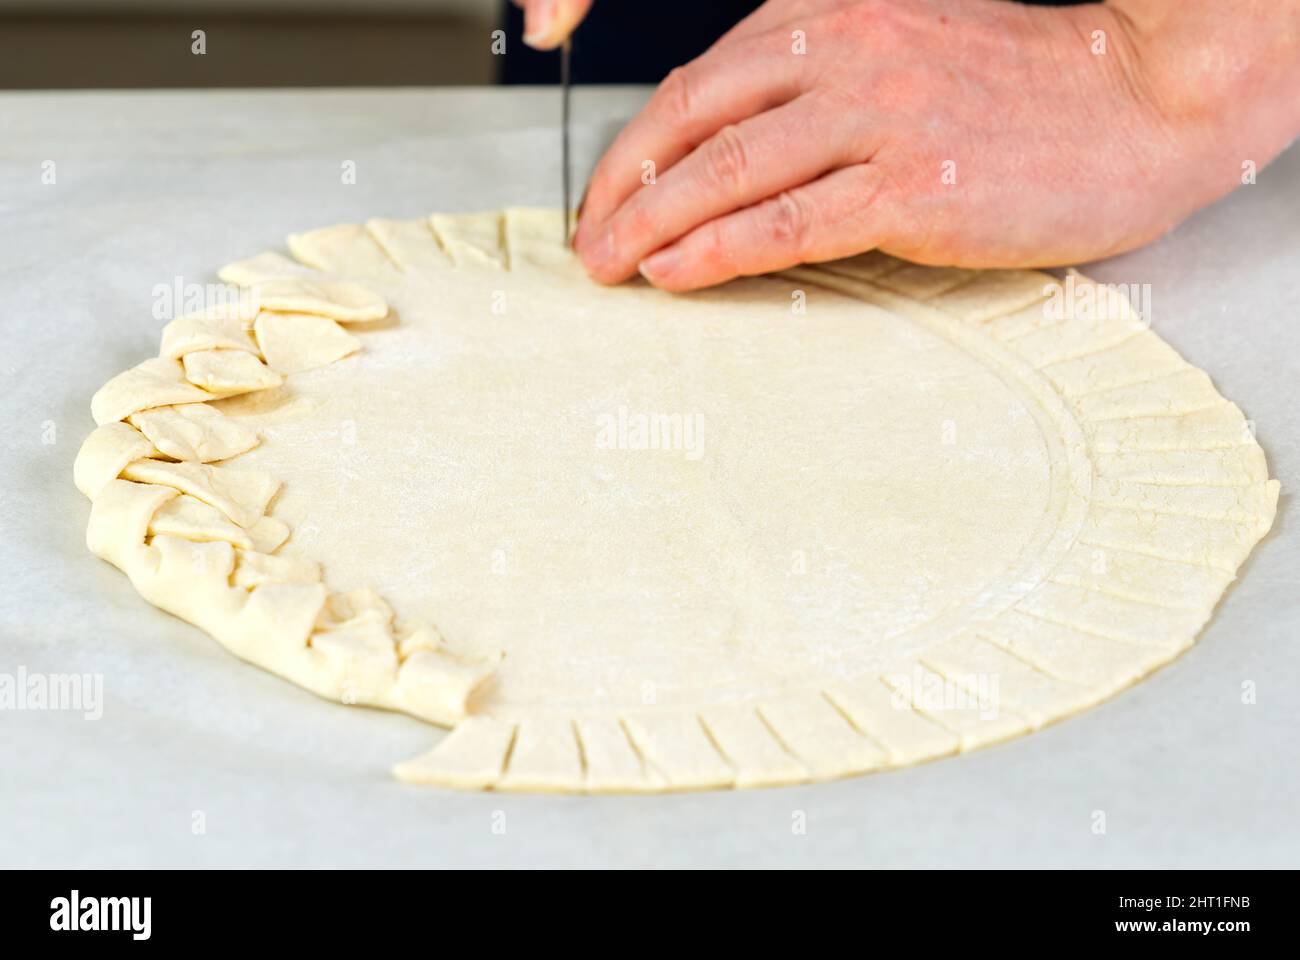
{"type": "Point", "coordinates": [154, 186]}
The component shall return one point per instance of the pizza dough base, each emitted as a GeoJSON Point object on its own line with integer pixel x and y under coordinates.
{"type": "Point", "coordinates": [674, 542]}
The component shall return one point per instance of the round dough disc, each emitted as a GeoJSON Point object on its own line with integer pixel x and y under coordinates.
{"type": "Point", "coordinates": [839, 519]}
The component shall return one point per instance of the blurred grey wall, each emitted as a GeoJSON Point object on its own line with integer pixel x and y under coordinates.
{"type": "Point", "coordinates": [267, 43]}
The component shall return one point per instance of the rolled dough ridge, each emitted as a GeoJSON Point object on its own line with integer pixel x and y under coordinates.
{"type": "Point", "coordinates": [193, 533]}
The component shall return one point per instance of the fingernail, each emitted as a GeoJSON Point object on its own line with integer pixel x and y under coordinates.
{"type": "Point", "coordinates": [659, 266]}
{"type": "Point", "coordinates": [539, 19]}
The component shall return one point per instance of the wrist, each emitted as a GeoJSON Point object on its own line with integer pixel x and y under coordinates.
{"type": "Point", "coordinates": [1225, 75]}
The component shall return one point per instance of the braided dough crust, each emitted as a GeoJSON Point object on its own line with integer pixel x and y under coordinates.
{"type": "Point", "coordinates": [935, 509]}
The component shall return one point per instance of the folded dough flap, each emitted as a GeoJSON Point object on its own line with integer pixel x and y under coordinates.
{"type": "Point", "coordinates": [157, 382]}
{"type": "Point", "coordinates": [191, 334]}
{"type": "Point", "coordinates": [192, 581]}
{"type": "Point", "coordinates": [437, 686]}
{"type": "Point", "coordinates": [242, 495]}
{"type": "Point", "coordinates": [119, 523]}
{"type": "Point", "coordinates": [264, 266]}
{"type": "Point", "coordinates": [254, 568]}
{"type": "Point", "coordinates": [227, 373]}
{"type": "Point", "coordinates": [105, 453]}
{"type": "Point", "coordinates": [295, 342]}
{"type": "Point", "coordinates": [191, 518]}
{"type": "Point", "coordinates": [363, 655]}
{"type": "Point", "coordinates": [280, 285]}
{"type": "Point", "coordinates": [194, 431]}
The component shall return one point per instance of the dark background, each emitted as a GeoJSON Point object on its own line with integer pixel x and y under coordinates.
{"type": "Point", "coordinates": [312, 43]}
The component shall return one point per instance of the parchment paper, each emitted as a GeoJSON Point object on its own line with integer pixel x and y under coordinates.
{"type": "Point", "coordinates": [201, 760]}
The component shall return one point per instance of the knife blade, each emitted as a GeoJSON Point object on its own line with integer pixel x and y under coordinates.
{"type": "Point", "coordinates": [566, 175]}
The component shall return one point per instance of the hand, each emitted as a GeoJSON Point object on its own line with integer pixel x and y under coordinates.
{"type": "Point", "coordinates": [548, 23]}
{"type": "Point", "coordinates": [973, 133]}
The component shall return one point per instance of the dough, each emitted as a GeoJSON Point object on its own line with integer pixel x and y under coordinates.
{"type": "Point", "coordinates": [844, 518]}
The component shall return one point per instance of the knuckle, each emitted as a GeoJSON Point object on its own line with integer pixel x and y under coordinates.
{"type": "Point", "coordinates": [632, 225]}
{"type": "Point", "coordinates": [726, 160]}
{"type": "Point", "coordinates": [786, 221]}
{"type": "Point", "coordinates": [712, 248]}
{"type": "Point", "coordinates": [676, 96]}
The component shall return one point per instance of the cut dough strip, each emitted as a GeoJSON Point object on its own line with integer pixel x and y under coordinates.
{"type": "Point", "coordinates": [1032, 693]}
{"type": "Point", "coordinates": [612, 762]}
{"type": "Point", "coordinates": [411, 244]}
{"type": "Point", "coordinates": [1141, 578]}
{"type": "Point", "coordinates": [1182, 392]}
{"type": "Point", "coordinates": [347, 247]}
{"type": "Point", "coordinates": [924, 283]}
{"type": "Point", "coordinates": [1239, 466]}
{"type": "Point", "coordinates": [471, 757]}
{"type": "Point", "coordinates": [978, 719]}
{"type": "Point", "coordinates": [1214, 428]}
{"type": "Point", "coordinates": [823, 739]}
{"type": "Point", "coordinates": [998, 293]}
{"type": "Point", "coordinates": [1101, 663]}
{"type": "Point", "coordinates": [745, 737]}
{"type": "Point", "coordinates": [545, 757]}
{"type": "Point", "coordinates": [472, 238]}
{"type": "Point", "coordinates": [678, 746]}
{"type": "Point", "coordinates": [1238, 503]}
{"type": "Point", "coordinates": [892, 721]}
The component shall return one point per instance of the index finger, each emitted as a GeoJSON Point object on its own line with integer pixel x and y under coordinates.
{"type": "Point", "coordinates": [724, 86]}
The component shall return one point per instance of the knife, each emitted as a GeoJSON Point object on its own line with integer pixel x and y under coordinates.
{"type": "Point", "coordinates": [566, 176]}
